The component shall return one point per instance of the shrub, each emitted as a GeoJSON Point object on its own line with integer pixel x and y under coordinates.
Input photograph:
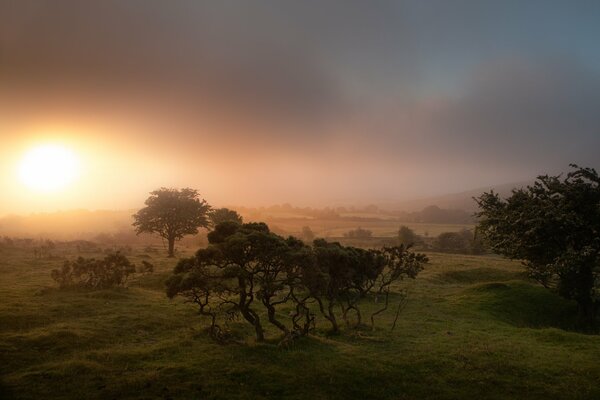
{"type": "Point", "coordinates": [90, 273]}
{"type": "Point", "coordinates": [146, 267]}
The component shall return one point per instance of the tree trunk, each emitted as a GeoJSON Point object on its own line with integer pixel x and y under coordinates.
{"type": "Point", "coordinates": [171, 241]}
{"type": "Point", "coordinates": [273, 320]}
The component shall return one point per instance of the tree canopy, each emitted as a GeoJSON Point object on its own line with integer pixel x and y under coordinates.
{"type": "Point", "coordinates": [220, 215]}
{"type": "Point", "coordinates": [554, 227]}
{"type": "Point", "coordinates": [172, 214]}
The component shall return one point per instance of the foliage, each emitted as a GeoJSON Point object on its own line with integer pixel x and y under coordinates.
{"type": "Point", "coordinates": [554, 227]}
{"type": "Point", "coordinates": [247, 270]}
{"type": "Point", "coordinates": [461, 242]}
{"type": "Point", "coordinates": [221, 215]}
{"type": "Point", "coordinates": [90, 273]}
{"type": "Point", "coordinates": [172, 214]}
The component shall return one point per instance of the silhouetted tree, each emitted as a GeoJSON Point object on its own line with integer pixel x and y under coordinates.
{"type": "Point", "coordinates": [554, 226]}
{"type": "Point", "coordinates": [346, 274]}
{"type": "Point", "coordinates": [247, 269]}
{"type": "Point", "coordinates": [172, 214]}
{"type": "Point", "coordinates": [220, 215]}
{"type": "Point", "coordinates": [407, 236]}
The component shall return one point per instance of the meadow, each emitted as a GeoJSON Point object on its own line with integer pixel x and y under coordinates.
{"type": "Point", "coordinates": [472, 326]}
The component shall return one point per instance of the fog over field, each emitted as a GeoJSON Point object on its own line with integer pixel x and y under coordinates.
{"type": "Point", "coordinates": [312, 104]}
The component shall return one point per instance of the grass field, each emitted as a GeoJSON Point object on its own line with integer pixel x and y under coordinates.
{"type": "Point", "coordinates": [335, 228]}
{"type": "Point", "coordinates": [473, 327]}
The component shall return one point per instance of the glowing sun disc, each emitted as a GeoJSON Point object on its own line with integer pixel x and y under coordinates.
{"type": "Point", "coordinates": [48, 168]}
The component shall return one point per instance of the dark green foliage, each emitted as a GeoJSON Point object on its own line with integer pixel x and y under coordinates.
{"type": "Point", "coordinates": [554, 227]}
{"type": "Point", "coordinates": [90, 273]}
{"type": "Point", "coordinates": [221, 215]}
{"type": "Point", "coordinates": [247, 270]}
{"type": "Point", "coordinates": [172, 214]}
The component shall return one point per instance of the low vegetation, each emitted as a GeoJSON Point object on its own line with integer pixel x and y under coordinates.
{"type": "Point", "coordinates": [90, 273]}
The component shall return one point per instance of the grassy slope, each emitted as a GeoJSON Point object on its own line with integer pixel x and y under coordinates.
{"type": "Point", "coordinates": [472, 328]}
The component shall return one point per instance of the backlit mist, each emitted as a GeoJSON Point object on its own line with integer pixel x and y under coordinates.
{"type": "Point", "coordinates": [311, 103]}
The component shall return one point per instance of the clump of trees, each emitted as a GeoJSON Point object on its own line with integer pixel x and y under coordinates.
{"type": "Point", "coordinates": [221, 215]}
{"type": "Point", "coordinates": [89, 273]}
{"type": "Point", "coordinates": [554, 227]}
{"type": "Point", "coordinates": [461, 242]}
{"type": "Point", "coordinates": [172, 214]}
{"type": "Point", "coordinates": [248, 272]}
{"type": "Point", "coordinates": [359, 233]}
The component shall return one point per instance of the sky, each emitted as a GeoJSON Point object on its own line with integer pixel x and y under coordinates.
{"type": "Point", "coordinates": [312, 103]}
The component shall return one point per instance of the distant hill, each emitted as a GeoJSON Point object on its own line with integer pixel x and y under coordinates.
{"type": "Point", "coordinates": [456, 201]}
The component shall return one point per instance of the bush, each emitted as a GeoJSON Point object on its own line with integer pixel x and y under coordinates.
{"type": "Point", "coordinates": [146, 267]}
{"type": "Point", "coordinates": [90, 273]}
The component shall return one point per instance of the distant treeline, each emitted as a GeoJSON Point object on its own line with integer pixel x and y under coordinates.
{"type": "Point", "coordinates": [431, 214]}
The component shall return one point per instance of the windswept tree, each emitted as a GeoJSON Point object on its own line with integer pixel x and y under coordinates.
{"type": "Point", "coordinates": [248, 271]}
{"type": "Point", "coordinates": [243, 265]}
{"type": "Point", "coordinates": [554, 228]}
{"type": "Point", "coordinates": [172, 214]}
{"type": "Point", "coordinates": [220, 215]}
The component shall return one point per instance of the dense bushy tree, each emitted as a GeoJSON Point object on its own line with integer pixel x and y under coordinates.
{"type": "Point", "coordinates": [247, 270]}
{"type": "Point", "coordinates": [407, 236]}
{"type": "Point", "coordinates": [554, 227]}
{"type": "Point", "coordinates": [90, 273]}
{"type": "Point", "coordinates": [220, 215]}
{"type": "Point", "coordinates": [172, 214]}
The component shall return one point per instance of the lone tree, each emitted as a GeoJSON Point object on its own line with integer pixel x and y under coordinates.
{"type": "Point", "coordinates": [554, 227]}
{"type": "Point", "coordinates": [172, 214]}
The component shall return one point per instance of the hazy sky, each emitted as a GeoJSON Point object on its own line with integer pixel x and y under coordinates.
{"type": "Point", "coordinates": [308, 102]}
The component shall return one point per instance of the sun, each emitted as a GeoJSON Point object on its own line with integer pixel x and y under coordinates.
{"type": "Point", "coordinates": [49, 168]}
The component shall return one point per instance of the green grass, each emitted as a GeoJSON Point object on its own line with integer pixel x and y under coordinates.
{"type": "Point", "coordinates": [473, 327]}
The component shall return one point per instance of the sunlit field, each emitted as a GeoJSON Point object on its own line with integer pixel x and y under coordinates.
{"type": "Point", "coordinates": [472, 327]}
